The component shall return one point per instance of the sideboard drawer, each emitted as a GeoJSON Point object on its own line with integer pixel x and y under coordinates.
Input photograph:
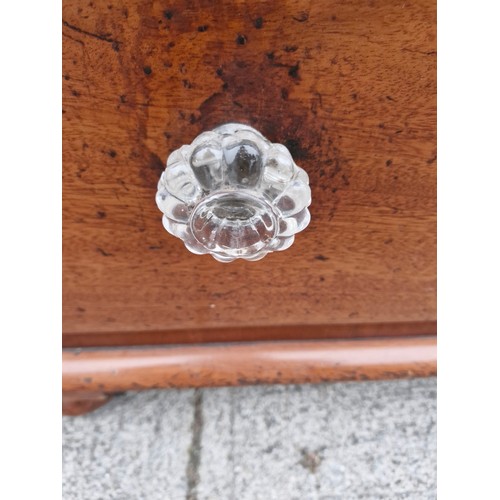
{"type": "Point", "coordinates": [349, 87]}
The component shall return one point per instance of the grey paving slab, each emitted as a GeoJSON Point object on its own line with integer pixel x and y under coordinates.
{"type": "Point", "coordinates": [356, 440]}
{"type": "Point", "coordinates": [136, 447]}
{"type": "Point", "coordinates": [337, 441]}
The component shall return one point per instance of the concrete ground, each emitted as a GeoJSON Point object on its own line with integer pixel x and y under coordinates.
{"type": "Point", "coordinates": [342, 441]}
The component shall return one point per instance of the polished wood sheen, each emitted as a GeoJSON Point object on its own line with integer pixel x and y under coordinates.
{"type": "Point", "coordinates": [348, 86]}
{"type": "Point", "coordinates": [112, 370]}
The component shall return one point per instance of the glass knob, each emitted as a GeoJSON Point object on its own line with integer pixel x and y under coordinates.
{"type": "Point", "coordinates": [234, 195]}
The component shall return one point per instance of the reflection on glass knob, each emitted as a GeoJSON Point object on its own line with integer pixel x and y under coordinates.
{"type": "Point", "coordinates": [233, 194]}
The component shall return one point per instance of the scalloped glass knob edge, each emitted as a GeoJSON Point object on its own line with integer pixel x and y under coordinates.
{"type": "Point", "coordinates": [233, 194]}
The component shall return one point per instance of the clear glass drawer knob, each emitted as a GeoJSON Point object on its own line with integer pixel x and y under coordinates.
{"type": "Point", "coordinates": [234, 195]}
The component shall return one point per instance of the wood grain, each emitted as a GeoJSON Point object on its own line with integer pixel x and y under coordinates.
{"type": "Point", "coordinates": [113, 370]}
{"type": "Point", "coordinates": [348, 86]}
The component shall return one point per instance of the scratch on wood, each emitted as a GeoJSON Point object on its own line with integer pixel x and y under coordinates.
{"type": "Point", "coordinates": [105, 38]}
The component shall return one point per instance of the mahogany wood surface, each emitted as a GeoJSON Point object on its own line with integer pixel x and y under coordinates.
{"type": "Point", "coordinates": [79, 403]}
{"type": "Point", "coordinates": [114, 370]}
{"type": "Point", "coordinates": [348, 86]}
{"type": "Point", "coordinates": [270, 332]}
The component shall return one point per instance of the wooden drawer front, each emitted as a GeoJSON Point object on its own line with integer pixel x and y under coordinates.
{"type": "Point", "coordinates": [349, 87]}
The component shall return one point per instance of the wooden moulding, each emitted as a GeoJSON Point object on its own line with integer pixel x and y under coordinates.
{"type": "Point", "coordinates": [78, 403]}
{"type": "Point", "coordinates": [114, 370]}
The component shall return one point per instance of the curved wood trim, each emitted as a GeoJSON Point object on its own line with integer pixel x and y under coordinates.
{"type": "Point", "coordinates": [116, 370]}
{"type": "Point", "coordinates": [78, 403]}
{"type": "Point", "coordinates": [250, 334]}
